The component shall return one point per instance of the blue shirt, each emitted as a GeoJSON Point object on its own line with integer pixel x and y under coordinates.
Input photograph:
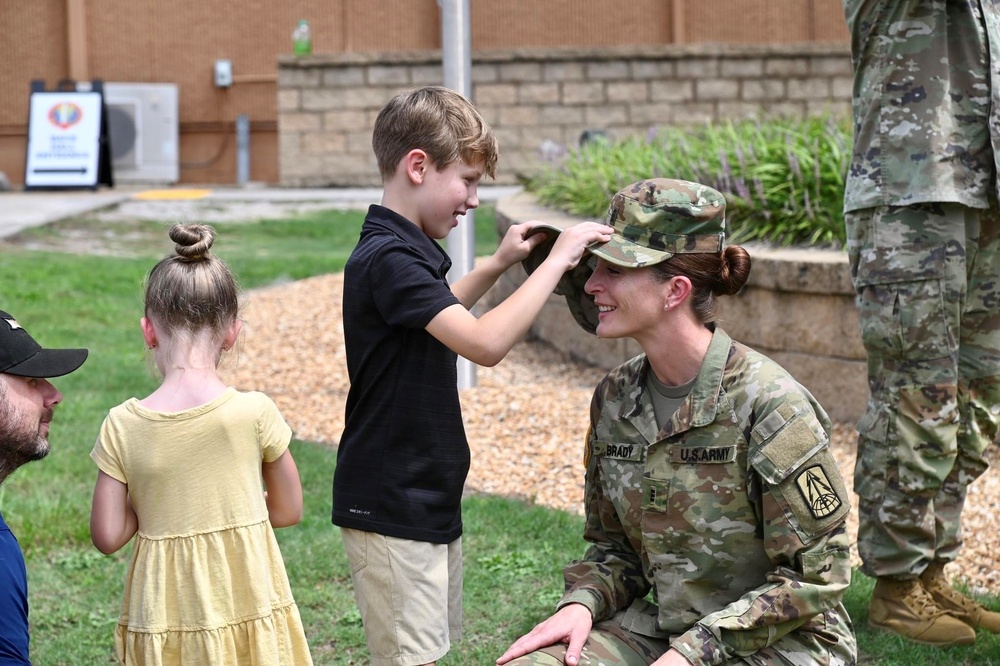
{"type": "Point", "coordinates": [13, 600]}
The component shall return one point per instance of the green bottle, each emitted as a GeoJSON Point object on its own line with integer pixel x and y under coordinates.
{"type": "Point", "coordinates": [301, 39]}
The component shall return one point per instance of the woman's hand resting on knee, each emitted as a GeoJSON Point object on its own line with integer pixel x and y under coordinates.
{"type": "Point", "coordinates": [571, 624]}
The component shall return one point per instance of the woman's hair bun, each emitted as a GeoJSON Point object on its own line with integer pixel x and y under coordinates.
{"type": "Point", "coordinates": [193, 241]}
{"type": "Point", "coordinates": [734, 270]}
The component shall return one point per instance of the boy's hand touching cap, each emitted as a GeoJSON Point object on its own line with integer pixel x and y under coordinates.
{"type": "Point", "coordinates": [581, 304]}
{"type": "Point", "coordinates": [518, 243]}
{"type": "Point", "coordinates": [546, 235]}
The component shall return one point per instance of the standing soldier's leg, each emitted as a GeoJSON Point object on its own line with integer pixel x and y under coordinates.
{"type": "Point", "coordinates": [908, 266]}
{"type": "Point", "coordinates": [979, 409]}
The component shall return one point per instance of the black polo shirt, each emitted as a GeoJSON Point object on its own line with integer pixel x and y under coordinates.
{"type": "Point", "coordinates": [404, 457]}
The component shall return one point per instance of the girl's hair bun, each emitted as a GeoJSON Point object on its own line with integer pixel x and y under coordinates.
{"type": "Point", "coordinates": [193, 241]}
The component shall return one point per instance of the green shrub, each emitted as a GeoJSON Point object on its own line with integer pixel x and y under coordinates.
{"type": "Point", "coordinates": [783, 179]}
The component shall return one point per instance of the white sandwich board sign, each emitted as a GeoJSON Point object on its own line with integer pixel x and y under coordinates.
{"type": "Point", "coordinates": [64, 139]}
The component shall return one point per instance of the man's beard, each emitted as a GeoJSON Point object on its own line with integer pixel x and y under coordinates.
{"type": "Point", "coordinates": [20, 442]}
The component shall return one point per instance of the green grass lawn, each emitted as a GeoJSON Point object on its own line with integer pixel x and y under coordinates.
{"type": "Point", "coordinates": [514, 552]}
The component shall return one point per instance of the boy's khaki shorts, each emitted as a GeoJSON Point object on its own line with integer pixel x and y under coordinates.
{"type": "Point", "coordinates": [409, 594]}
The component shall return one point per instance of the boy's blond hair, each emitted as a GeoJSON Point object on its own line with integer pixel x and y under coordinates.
{"type": "Point", "coordinates": [439, 121]}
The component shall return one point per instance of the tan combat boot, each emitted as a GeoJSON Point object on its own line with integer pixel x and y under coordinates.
{"type": "Point", "coordinates": [959, 605]}
{"type": "Point", "coordinates": [904, 607]}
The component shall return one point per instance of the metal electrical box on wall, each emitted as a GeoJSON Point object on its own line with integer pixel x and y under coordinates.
{"type": "Point", "coordinates": [143, 131]}
{"type": "Point", "coordinates": [223, 73]}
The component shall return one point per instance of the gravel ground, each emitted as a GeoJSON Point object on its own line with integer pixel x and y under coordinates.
{"type": "Point", "coordinates": [525, 419]}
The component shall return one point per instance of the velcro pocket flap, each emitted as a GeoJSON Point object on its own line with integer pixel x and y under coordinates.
{"type": "Point", "coordinates": [783, 441]}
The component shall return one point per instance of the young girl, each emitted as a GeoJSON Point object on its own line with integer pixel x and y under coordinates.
{"type": "Point", "coordinates": [183, 470]}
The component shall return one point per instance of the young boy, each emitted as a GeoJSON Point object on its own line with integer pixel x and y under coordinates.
{"type": "Point", "coordinates": [403, 457]}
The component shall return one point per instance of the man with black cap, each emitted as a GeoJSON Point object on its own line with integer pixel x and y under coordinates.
{"type": "Point", "coordinates": [27, 400]}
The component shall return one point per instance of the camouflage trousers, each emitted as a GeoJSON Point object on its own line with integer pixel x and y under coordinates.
{"type": "Point", "coordinates": [928, 284]}
{"type": "Point", "coordinates": [607, 645]}
{"type": "Point", "coordinates": [611, 645]}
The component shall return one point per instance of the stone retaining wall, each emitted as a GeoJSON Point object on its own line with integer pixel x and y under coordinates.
{"type": "Point", "coordinates": [539, 101]}
{"type": "Point", "coordinates": [798, 308]}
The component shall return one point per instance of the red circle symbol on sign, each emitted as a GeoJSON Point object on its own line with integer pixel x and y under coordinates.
{"type": "Point", "coordinates": [65, 114]}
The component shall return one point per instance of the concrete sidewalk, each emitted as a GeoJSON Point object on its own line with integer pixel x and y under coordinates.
{"type": "Point", "coordinates": [20, 210]}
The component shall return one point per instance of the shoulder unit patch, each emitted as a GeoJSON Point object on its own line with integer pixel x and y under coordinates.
{"type": "Point", "coordinates": [818, 492]}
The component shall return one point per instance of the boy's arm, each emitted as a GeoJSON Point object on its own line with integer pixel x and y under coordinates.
{"type": "Point", "coordinates": [486, 340]}
{"type": "Point", "coordinates": [513, 248]}
{"type": "Point", "coordinates": [471, 287]}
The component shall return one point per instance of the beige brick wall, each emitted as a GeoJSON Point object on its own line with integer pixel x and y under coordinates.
{"type": "Point", "coordinates": [547, 97]}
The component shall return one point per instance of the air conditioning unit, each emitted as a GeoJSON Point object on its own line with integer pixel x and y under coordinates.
{"type": "Point", "coordinates": [142, 128]}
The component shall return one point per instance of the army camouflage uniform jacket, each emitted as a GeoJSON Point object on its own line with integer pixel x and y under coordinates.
{"type": "Point", "coordinates": [733, 515]}
{"type": "Point", "coordinates": [926, 102]}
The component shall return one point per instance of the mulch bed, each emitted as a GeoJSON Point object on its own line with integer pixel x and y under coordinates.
{"type": "Point", "coordinates": [525, 419]}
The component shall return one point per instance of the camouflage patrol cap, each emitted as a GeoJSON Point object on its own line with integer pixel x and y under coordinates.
{"type": "Point", "coordinates": [653, 220]}
{"type": "Point", "coordinates": [581, 304]}
{"type": "Point", "coordinates": [658, 218]}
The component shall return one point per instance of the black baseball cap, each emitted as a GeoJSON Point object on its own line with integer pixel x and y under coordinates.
{"type": "Point", "coordinates": [20, 355]}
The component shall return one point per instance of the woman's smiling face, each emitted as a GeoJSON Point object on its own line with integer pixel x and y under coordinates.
{"type": "Point", "coordinates": [629, 300]}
